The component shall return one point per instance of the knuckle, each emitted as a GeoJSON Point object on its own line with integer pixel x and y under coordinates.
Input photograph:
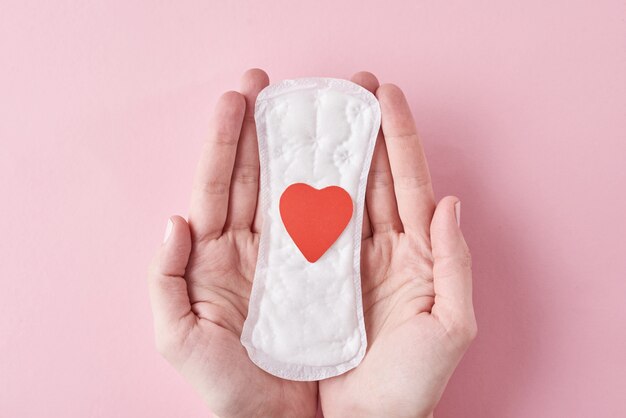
{"type": "Point", "coordinates": [412, 182]}
{"type": "Point", "coordinates": [454, 264]}
{"type": "Point", "coordinates": [458, 259]}
{"type": "Point", "coordinates": [214, 187]}
{"type": "Point", "coordinates": [409, 137]}
{"type": "Point", "coordinates": [224, 138]}
{"type": "Point", "coordinates": [384, 227]}
{"type": "Point", "coordinates": [380, 179]}
{"type": "Point", "coordinates": [246, 174]}
{"type": "Point", "coordinates": [465, 259]}
{"type": "Point", "coordinates": [249, 118]}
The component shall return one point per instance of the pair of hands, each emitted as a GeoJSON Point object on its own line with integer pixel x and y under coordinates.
{"type": "Point", "coordinates": [415, 272]}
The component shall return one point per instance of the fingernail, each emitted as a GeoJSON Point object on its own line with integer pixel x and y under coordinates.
{"type": "Point", "coordinates": [457, 212]}
{"type": "Point", "coordinates": [168, 230]}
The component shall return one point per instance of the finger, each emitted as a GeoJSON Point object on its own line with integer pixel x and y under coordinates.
{"type": "Point", "coordinates": [167, 286]}
{"type": "Point", "coordinates": [380, 196]}
{"type": "Point", "coordinates": [382, 214]}
{"type": "Point", "coordinates": [244, 187]}
{"type": "Point", "coordinates": [451, 268]}
{"type": "Point", "coordinates": [414, 192]}
{"type": "Point", "coordinates": [368, 81]}
{"type": "Point", "coordinates": [209, 200]}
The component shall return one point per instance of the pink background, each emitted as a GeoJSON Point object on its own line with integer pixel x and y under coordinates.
{"type": "Point", "coordinates": [103, 109]}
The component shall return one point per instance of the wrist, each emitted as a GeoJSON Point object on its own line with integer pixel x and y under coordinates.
{"type": "Point", "coordinates": [364, 413]}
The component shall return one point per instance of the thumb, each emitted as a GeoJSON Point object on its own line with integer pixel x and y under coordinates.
{"type": "Point", "coordinates": [452, 270]}
{"type": "Point", "coordinates": [166, 282]}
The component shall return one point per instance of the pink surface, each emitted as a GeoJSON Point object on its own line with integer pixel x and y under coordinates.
{"type": "Point", "coordinates": [103, 109]}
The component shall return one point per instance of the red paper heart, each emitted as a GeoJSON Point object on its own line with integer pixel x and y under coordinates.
{"type": "Point", "coordinates": [314, 218]}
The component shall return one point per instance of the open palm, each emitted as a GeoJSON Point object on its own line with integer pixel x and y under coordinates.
{"type": "Point", "coordinates": [416, 281]}
{"type": "Point", "coordinates": [201, 279]}
{"type": "Point", "coordinates": [415, 270]}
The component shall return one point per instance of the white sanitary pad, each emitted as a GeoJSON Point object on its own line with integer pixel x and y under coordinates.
{"type": "Point", "coordinates": [305, 319]}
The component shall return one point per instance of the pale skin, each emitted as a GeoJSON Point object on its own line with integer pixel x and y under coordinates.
{"type": "Point", "coordinates": [415, 273]}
